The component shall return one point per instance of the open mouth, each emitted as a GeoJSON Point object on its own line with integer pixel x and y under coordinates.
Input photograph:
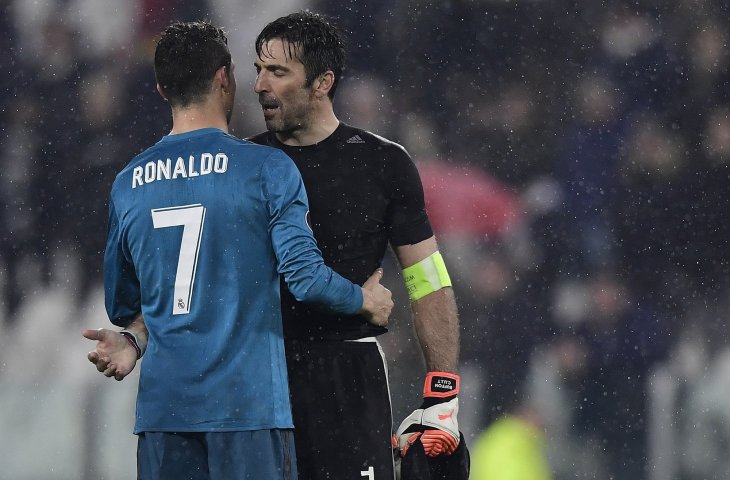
{"type": "Point", "coordinates": [269, 106]}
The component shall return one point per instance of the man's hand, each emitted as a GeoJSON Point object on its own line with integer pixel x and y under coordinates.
{"type": "Point", "coordinates": [377, 301]}
{"type": "Point", "coordinates": [114, 355]}
{"type": "Point", "coordinates": [435, 422]}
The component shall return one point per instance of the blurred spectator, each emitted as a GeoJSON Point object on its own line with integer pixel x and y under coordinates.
{"type": "Point", "coordinates": [556, 368]}
{"type": "Point", "coordinates": [367, 24]}
{"type": "Point", "coordinates": [9, 61]}
{"type": "Point", "coordinates": [633, 51]}
{"type": "Point", "coordinates": [512, 448]}
{"type": "Point", "coordinates": [710, 216]}
{"type": "Point", "coordinates": [705, 435]}
{"type": "Point", "coordinates": [703, 40]}
{"type": "Point", "coordinates": [103, 28]}
{"type": "Point", "coordinates": [155, 15]}
{"type": "Point", "coordinates": [58, 125]}
{"type": "Point", "coordinates": [622, 338]}
{"type": "Point", "coordinates": [496, 131]}
{"type": "Point", "coordinates": [102, 150]}
{"type": "Point", "coordinates": [18, 221]}
{"type": "Point", "coordinates": [366, 100]}
{"type": "Point", "coordinates": [503, 323]}
{"type": "Point", "coordinates": [703, 429]}
{"type": "Point", "coordinates": [586, 168]}
{"type": "Point", "coordinates": [690, 418]}
{"type": "Point", "coordinates": [654, 241]}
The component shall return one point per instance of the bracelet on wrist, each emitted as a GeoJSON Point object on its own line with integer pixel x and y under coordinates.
{"type": "Point", "coordinates": [132, 339]}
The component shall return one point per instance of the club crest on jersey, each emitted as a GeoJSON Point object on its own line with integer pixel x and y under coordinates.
{"type": "Point", "coordinates": [204, 164]}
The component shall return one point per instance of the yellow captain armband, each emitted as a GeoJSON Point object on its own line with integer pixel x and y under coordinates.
{"type": "Point", "coordinates": [426, 276]}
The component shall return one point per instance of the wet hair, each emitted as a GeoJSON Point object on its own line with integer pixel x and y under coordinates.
{"type": "Point", "coordinates": [314, 39]}
{"type": "Point", "coordinates": [186, 59]}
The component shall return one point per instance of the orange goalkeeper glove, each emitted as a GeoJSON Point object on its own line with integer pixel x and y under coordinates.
{"type": "Point", "coordinates": [435, 422]}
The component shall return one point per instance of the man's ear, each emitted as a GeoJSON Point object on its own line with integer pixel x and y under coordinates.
{"type": "Point", "coordinates": [323, 83]}
{"type": "Point", "coordinates": [159, 90]}
{"type": "Point", "coordinates": [222, 75]}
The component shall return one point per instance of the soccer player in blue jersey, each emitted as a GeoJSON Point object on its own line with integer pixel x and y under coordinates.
{"type": "Point", "coordinates": [201, 225]}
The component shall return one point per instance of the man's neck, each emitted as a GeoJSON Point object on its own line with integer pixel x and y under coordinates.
{"type": "Point", "coordinates": [321, 127]}
{"type": "Point", "coordinates": [195, 117]}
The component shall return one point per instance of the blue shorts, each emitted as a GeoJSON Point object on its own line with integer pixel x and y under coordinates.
{"type": "Point", "coordinates": [254, 455]}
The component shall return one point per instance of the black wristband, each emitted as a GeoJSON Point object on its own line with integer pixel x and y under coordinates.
{"type": "Point", "coordinates": [132, 341]}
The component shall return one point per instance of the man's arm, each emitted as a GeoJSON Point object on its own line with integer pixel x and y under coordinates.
{"type": "Point", "coordinates": [436, 323]}
{"type": "Point", "coordinates": [435, 316]}
{"type": "Point", "coordinates": [300, 261]}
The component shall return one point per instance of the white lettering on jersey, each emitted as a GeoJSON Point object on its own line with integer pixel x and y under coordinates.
{"type": "Point", "coordinates": [221, 163]}
{"type": "Point", "coordinates": [370, 473]}
{"type": "Point", "coordinates": [164, 169]}
{"type": "Point", "coordinates": [206, 163]}
{"type": "Point", "coordinates": [179, 169]}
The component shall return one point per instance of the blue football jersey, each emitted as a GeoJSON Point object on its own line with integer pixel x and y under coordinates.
{"type": "Point", "coordinates": [200, 227]}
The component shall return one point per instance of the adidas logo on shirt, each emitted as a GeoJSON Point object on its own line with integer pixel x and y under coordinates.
{"type": "Point", "coordinates": [355, 139]}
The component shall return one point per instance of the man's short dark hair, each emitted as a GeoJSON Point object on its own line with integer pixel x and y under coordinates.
{"type": "Point", "coordinates": [314, 39]}
{"type": "Point", "coordinates": [186, 59]}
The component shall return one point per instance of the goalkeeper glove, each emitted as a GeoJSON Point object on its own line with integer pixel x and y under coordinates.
{"type": "Point", "coordinates": [435, 422]}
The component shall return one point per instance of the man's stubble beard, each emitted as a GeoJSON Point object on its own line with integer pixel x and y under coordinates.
{"type": "Point", "coordinates": [299, 118]}
{"type": "Point", "coordinates": [282, 126]}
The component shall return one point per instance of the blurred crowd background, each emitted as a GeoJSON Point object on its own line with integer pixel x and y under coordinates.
{"type": "Point", "coordinates": [575, 161]}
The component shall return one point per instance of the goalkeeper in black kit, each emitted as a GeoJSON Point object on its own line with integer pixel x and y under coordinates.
{"type": "Point", "coordinates": [364, 193]}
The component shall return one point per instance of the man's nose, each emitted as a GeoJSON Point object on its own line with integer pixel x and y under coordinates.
{"type": "Point", "coordinates": [259, 85]}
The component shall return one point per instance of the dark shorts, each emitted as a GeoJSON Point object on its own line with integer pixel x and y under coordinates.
{"type": "Point", "coordinates": [255, 455]}
{"type": "Point", "coordinates": [341, 407]}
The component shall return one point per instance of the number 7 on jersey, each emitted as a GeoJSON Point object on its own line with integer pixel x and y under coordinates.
{"type": "Point", "coordinates": [191, 217]}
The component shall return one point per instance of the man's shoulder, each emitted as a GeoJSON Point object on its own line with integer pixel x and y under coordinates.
{"type": "Point", "coordinates": [253, 144]}
{"type": "Point", "coordinates": [252, 151]}
{"type": "Point", "coordinates": [139, 159]}
{"type": "Point", "coordinates": [352, 135]}
{"type": "Point", "coordinates": [263, 138]}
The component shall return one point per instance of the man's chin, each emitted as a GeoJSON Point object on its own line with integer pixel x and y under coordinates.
{"type": "Point", "coordinates": [274, 126]}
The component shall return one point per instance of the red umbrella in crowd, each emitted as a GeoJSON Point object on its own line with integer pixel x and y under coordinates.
{"type": "Point", "coordinates": [464, 200]}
